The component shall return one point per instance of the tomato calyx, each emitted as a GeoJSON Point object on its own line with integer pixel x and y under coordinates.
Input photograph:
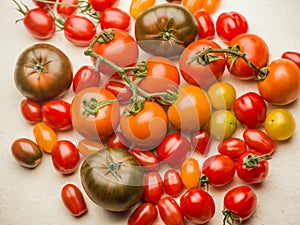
{"type": "Point", "coordinates": [106, 36]}
{"type": "Point", "coordinates": [91, 106]}
{"type": "Point", "coordinates": [38, 65]}
{"type": "Point", "coordinates": [253, 160]}
{"type": "Point", "coordinates": [230, 218]}
{"type": "Point", "coordinates": [112, 166]}
{"type": "Point", "coordinates": [204, 181]}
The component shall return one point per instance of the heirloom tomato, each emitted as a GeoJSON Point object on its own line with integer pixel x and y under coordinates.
{"type": "Point", "coordinates": [165, 29]}
{"type": "Point", "coordinates": [172, 183]}
{"type": "Point", "coordinates": [293, 56]}
{"type": "Point", "coordinates": [146, 158]}
{"type": "Point", "coordinates": [201, 141]}
{"type": "Point", "coordinates": [66, 8]}
{"type": "Point", "coordinates": [206, 24]}
{"type": "Point", "coordinates": [45, 136]}
{"type": "Point", "coordinates": [153, 187]}
{"type": "Point", "coordinates": [31, 111]}
{"type": "Point", "coordinates": [43, 72]}
{"type": "Point", "coordinates": [145, 213]}
{"type": "Point", "coordinates": [190, 173]}
{"type": "Point", "coordinates": [100, 5]}
{"type": "Point", "coordinates": [138, 6]}
{"type": "Point", "coordinates": [232, 147]}
{"type": "Point", "coordinates": [170, 211]}
{"type": "Point", "coordinates": [114, 18]}
{"type": "Point", "coordinates": [112, 179]}
{"type": "Point", "coordinates": [119, 89]}
{"type": "Point", "coordinates": [85, 77]}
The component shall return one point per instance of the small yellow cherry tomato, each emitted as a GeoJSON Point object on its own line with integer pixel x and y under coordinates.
{"type": "Point", "coordinates": [193, 5]}
{"type": "Point", "coordinates": [138, 6]}
{"type": "Point", "coordinates": [222, 95]}
{"type": "Point", "coordinates": [45, 136]}
{"type": "Point", "coordinates": [190, 173]}
{"type": "Point", "coordinates": [211, 5]}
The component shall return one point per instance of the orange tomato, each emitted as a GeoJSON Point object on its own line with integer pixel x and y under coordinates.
{"type": "Point", "coordinates": [211, 5]}
{"type": "Point", "coordinates": [193, 5]}
{"type": "Point", "coordinates": [190, 173]}
{"type": "Point", "coordinates": [138, 6]}
{"type": "Point", "coordinates": [45, 136]}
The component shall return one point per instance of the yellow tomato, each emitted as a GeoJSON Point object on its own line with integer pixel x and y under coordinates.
{"type": "Point", "coordinates": [193, 5]}
{"type": "Point", "coordinates": [222, 95]}
{"type": "Point", "coordinates": [138, 6]}
{"type": "Point", "coordinates": [45, 136]}
{"type": "Point", "coordinates": [190, 173]}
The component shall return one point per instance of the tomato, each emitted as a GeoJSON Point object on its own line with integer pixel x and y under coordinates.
{"type": "Point", "coordinates": [56, 114]}
{"type": "Point", "coordinates": [239, 204]}
{"type": "Point", "coordinates": [147, 128]}
{"type": "Point", "coordinates": [232, 147]}
{"type": "Point", "coordinates": [153, 187]}
{"type": "Point", "coordinates": [197, 206]}
{"type": "Point", "coordinates": [170, 211]}
{"type": "Point", "coordinates": [145, 213]}
{"type": "Point", "coordinates": [191, 110]}
{"type": "Point", "coordinates": [88, 147]}
{"type": "Point", "coordinates": [197, 74]}
{"type": "Point", "coordinates": [31, 111]}
{"type": "Point", "coordinates": [250, 109]}
{"type": "Point", "coordinates": [169, 38]}
{"type": "Point", "coordinates": [257, 52]}
{"type": "Point", "coordinates": [85, 77]}
{"type": "Point", "coordinates": [219, 169]}
{"type": "Point", "coordinates": [138, 6]}
{"type": "Point", "coordinates": [66, 8]}
{"type": "Point", "coordinates": [45, 136]}
{"type": "Point", "coordinates": [65, 157]}
{"type": "Point", "coordinates": [230, 24]}
{"type": "Point", "coordinates": [172, 183]}
{"type": "Point", "coordinates": [146, 158]}
{"type": "Point", "coordinates": [201, 141]}
{"type": "Point", "coordinates": [190, 173]}
{"type": "Point", "coordinates": [205, 23]}
{"type": "Point", "coordinates": [117, 140]}
{"type": "Point", "coordinates": [280, 124]}
{"type": "Point", "coordinates": [259, 141]}
{"type": "Point", "coordinates": [73, 200]}
{"type": "Point", "coordinates": [113, 179]}
{"type": "Point", "coordinates": [100, 5]}
{"type": "Point", "coordinates": [293, 56]}
{"type": "Point", "coordinates": [173, 149]}
{"type": "Point", "coordinates": [114, 45]}
{"type": "Point", "coordinates": [26, 152]}
{"type": "Point", "coordinates": [193, 5]}
{"type": "Point", "coordinates": [43, 72]}
{"type": "Point", "coordinates": [95, 113]}
{"type": "Point", "coordinates": [284, 77]}
{"type": "Point", "coordinates": [79, 30]}
{"type": "Point", "coordinates": [211, 5]}
{"type": "Point", "coordinates": [42, 4]}
{"type": "Point", "coordinates": [122, 91]}
{"type": "Point", "coordinates": [115, 18]}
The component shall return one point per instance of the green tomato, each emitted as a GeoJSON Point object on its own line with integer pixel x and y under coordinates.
{"type": "Point", "coordinates": [222, 124]}
{"type": "Point", "coordinates": [222, 95]}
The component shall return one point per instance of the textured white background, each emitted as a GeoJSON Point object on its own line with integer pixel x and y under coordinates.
{"type": "Point", "coordinates": [32, 197]}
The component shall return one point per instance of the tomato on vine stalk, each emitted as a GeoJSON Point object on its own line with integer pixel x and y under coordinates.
{"type": "Point", "coordinates": [66, 8]}
{"type": "Point", "coordinates": [122, 91]}
{"type": "Point", "coordinates": [42, 4]}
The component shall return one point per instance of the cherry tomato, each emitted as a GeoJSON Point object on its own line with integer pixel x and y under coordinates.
{"type": "Point", "coordinates": [66, 8]}
{"type": "Point", "coordinates": [138, 6]}
{"type": "Point", "coordinates": [153, 187]}
{"type": "Point", "coordinates": [45, 136]}
{"type": "Point", "coordinates": [145, 213]}
{"type": "Point", "coordinates": [117, 140]}
{"type": "Point", "coordinates": [122, 91]}
{"type": "Point", "coordinates": [79, 30]}
{"type": "Point", "coordinates": [206, 24]}
{"type": "Point", "coordinates": [26, 152]}
{"type": "Point", "coordinates": [257, 52]}
{"type": "Point", "coordinates": [190, 173]}
{"type": "Point", "coordinates": [211, 5]}
{"type": "Point", "coordinates": [65, 157]}
{"type": "Point", "coordinates": [197, 206]}
{"type": "Point", "coordinates": [42, 4]}
{"type": "Point", "coordinates": [219, 169]}
{"type": "Point", "coordinates": [146, 158]}
{"type": "Point", "coordinates": [293, 56]}
{"type": "Point", "coordinates": [232, 147]}
{"type": "Point", "coordinates": [56, 114]}
{"type": "Point", "coordinates": [193, 5]}
{"type": "Point", "coordinates": [250, 109]}
{"type": "Point", "coordinates": [239, 204]}
{"type": "Point", "coordinates": [170, 211]}
{"type": "Point", "coordinates": [73, 200]}
{"type": "Point", "coordinates": [231, 24]}
{"type": "Point", "coordinates": [86, 76]}
{"type": "Point", "coordinates": [197, 74]}
{"type": "Point", "coordinates": [173, 149]}
{"type": "Point", "coordinates": [100, 5]}
{"type": "Point", "coordinates": [115, 18]}
{"type": "Point", "coordinates": [201, 141]}
{"type": "Point", "coordinates": [172, 183]}
{"type": "Point", "coordinates": [284, 77]}
{"type": "Point", "coordinates": [31, 111]}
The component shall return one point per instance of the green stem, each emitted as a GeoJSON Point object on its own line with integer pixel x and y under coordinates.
{"type": "Point", "coordinates": [91, 106]}
{"type": "Point", "coordinates": [230, 218]}
{"type": "Point", "coordinates": [253, 160]}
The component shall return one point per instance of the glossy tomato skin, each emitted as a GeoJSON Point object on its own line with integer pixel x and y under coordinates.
{"type": "Point", "coordinates": [170, 211]}
{"type": "Point", "coordinates": [138, 6]}
{"type": "Point", "coordinates": [146, 158]}
{"type": "Point", "coordinates": [117, 140]}
{"type": "Point", "coordinates": [197, 74]}
{"type": "Point", "coordinates": [42, 4]}
{"type": "Point", "coordinates": [122, 91]}
{"type": "Point", "coordinates": [45, 136]}
{"type": "Point", "coordinates": [293, 56]}
{"type": "Point", "coordinates": [172, 183]}
{"type": "Point", "coordinates": [193, 5]}
{"type": "Point", "coordinates": [232, 147]}
{"type": "Point", "coordinates": [145, 213]}
{"type": "Point", "coordinates": [85, 77]}
{"type": "Point", "coordinates": [190, 173]}
{"type": "Point", "coordinates": [230, 24]}
{"type": "Point", "coordinates": [173, 34]}
{"type": "Point", "coordinates": [153, 187]}
{"type": "Point", "coordinates": [41, 85]}
{"type": "Point", "coordinates": [197, 206]}
{"type": "Point", "coordinates": [31, 111]}
{"type": "Point", "coordinates": [284, 77]}
{"type": "Point", "coordinates": [115, 18]}
{"type": "Point", "coordinates": [73, 200]}
{"type": "Point", "coordinates": [100, 5]}
{"type": "Point", "coordinates": [201, 141]}
{"type": "Point", "coordinates": [250, 109]}
{"type": "Point", "coordinates": [206, 24]}
{"type": "Point", "coordinates": [257, 52]}
{"type": "Point", "coordinates": [211, 5]}
{"type": "Point", "coordinates": [66, 10]}
{"type": "Point", "coordinates": [173, 149]}
{"type": "Point", "coordinates": [116, 188]}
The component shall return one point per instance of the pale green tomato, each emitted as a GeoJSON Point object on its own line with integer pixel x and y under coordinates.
{"type": "Point", "coordinates": [280, 124]}
{"type": "Point", "coordinates": [222, 95]}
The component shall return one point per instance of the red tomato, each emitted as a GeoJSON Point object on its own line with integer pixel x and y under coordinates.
{"type": "Point", "coordinates": [115, 18]}
{"type": "Point", "coordinates": [85, 77]}
{"type": "Point", "coordinates": [252, 167]}
{"type": "Point", "coordinates": [201, 141]}
{"type": "Point", "coordinates": [117, 140]}
{"type": "Point", "coordinates": [153, 187]}
{"type": "Point", "coordinates": [219, 169]}
{"type": "Point", "coordinates": [43, 5]}
{"type": "Point", "coordinates": [65, 157]}
{"type": "Point", "coordinates": [239, 204]}
{"type": "Point", "coordinates": [250, 109]}
{"type": "Point", "coordinates": [31, 111]}
{"type": "Point", "coordinates": [79, 30]}
{"type": "Point", "coordinates": [232, 147]}
{"type": "Point", "coordinates": [293, 56]}
{"type": "Point", "coordinates": [145, 213]}
{"type": "Point", "coordinates": [147, 159]}
{"type": "Point", "coordinates": [206, 24]}
{"type": "Point", "coordinates": [73, 200]}
{"type": "Point", "coordinates": [173, 183]}
{"type": "Point", "coordinates": [66, 8]}
{"type": "Point", "coordinates": [197, 206]}
{"type": "Point", "coordinates": [56, 113]}
{"type": "Point", "coordinates": [100, 5]}
{"type": "Point", "coordinates": [173, 149]}
{"type": "Point", "coordinates": [122, 91]}
{"type": "Point", "coordinates": [231, 24]}
{"type": "Point", "coordinates": [170, 211]}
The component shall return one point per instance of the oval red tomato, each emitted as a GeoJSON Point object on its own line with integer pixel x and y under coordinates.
{"type": "Point", "coordinates": [170, 211]}
{"type": "Point", "coordinates": [206, 24]}
{"type": "Point", "coordinates": [31, 111]}
{"type": "Point", "coordinates": [85, 77]}
{"type": "Point", "coordinates": [145, 213]}
{"type": "Point", "coordinates": [100, 5]}
{"type": "Point", "coordinates": [66, 8]}
{"type": "Point", "coordinates": [122, 91]}
{"type": "Point", "coordinates": [232, 147]}
{"type": "Point", "coordinates": [153, 187]}
{"type": "Point", "coordinates": [172, 183]}
{"type": "Point", "coordinates": [201, 141]}
{"type": "Point", "coordinates": [114, 18]}
{"type": "Point", "coordinates": [146, 158]}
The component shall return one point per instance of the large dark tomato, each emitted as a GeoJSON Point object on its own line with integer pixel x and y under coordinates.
{"type": "Point", "coordinates": [195, 72]}
{"type": "Point", "coordinates": [165, 29]}
{"type": "Point", "coordinates": [113, 179]}
{"type": "Point", "coordinates": [43, 72]}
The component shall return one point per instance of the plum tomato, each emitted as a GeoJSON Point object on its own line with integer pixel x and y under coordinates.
{"type": "Point", "coordinates": [232, 147]}
{"type": "Point", "coordinates": [138, 6]}
{"type": "Point", "coordinates": [293, 56]}
{"type": "Point", "coordinates": [145, 213]}
{"type": "Point", "coordinates": [115, 18]}
{"type": "Point", "coordinates": [31, 111]}
{"type": "Point", "coordinates": [153, 187]}
{"type": "Point", "coordinates": [85, 77]}
{"type": "Point", "coordinates": [201, 141]}
{"type": "Point", "coordinates": [66, 8]}
{"type": "Point", "coordinates": [170, 211]}
{"type": "Point", "coordinates": [122, 91]}
{"type": "Point", "coordinates": [146, 158]}
{"type": "Point", "coordinates": [45, 136]}
{"type": "Point", "coordinates": [190, 173]}
{"type": "Point", "coordinates": [117, 140]}
{"type": "Point", "coordinates": [193, 5]}
{"type": "Point", "coordinates": [211, 6]}
{"type": "Point", "coordinates": [42, 4]}
{"type": "Point", "coordinates": [172, 183]}
{"type": "Point", "coordinates": [100, 5]}
{"type": "Point", "coordinates": [206, 24]}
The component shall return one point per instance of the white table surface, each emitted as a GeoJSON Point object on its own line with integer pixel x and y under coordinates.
{"type": "Point", "coordinates": [32, 197]}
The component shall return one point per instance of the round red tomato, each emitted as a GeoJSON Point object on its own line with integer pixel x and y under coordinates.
{"type": "Point", "coordinates": [114, 18]}
{"type": "Point", "coordinates": [232, 147]}
{"type": "Point", "coordinates": [66, 8]}
{"type": "Point", "coordinates": [206, 24]}
{"type": "Point", "coordinates": [201, 141]}
{"type": "Point", "coordinates": [145, 213]}
{"type": "Point", "coordinates": [100, 5]}
{"type": "Point", "coordinates": [31, 111]}
{"type": "Point", "coordinates": [170, 211]}
{"type": "Point", "coordinates": [172, 183]}
{"type": "Point", "coordinates": [153, 187]}
{"type": "Point", "coordinates": [86, 76]}
{"type": "Point", "coordinates": [146, 158]}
